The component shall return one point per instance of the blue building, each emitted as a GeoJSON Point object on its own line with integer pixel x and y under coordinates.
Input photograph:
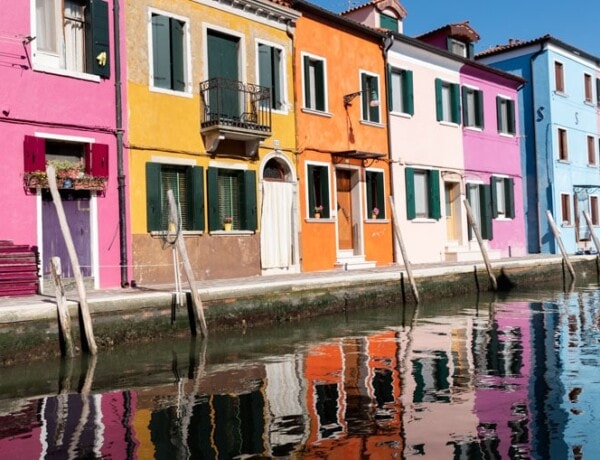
{"type": "Point", "coordinates": [559, 119]}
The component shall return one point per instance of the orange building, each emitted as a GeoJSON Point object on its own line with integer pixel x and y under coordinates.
{"type": "Point", "coordinates": [342, 142]}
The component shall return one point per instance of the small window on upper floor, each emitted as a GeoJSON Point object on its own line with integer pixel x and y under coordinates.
{"type": "Point", "coordinates": [401, 89]}
{"type": "Point", "coordinates": [563, 145]}
{"type": "Point", "coordinates": [370, 97]}
{"type": "Point", "coordinates": [472, 107]}
{"type": "Point", "coordinates": [459, 48]}
{"type": "Point", "coordinates": [169, 53]}
{"type": "Point", "coordinates": [505, 111]}
{"type": "Point", "coordinates": [559, 77]}
{"type": "Point", "coordinates": [388, 22]}
{"type": "Point", "coordinates": [315, 79]}
{"type": "Point", "coordinates": [591, 150]}
{"type": "Point", "coordinates": [447, 96]}
{"type": "Point", "coordinates": [72, 35]}
{"type": "Point", "coordinates": [587, 84]}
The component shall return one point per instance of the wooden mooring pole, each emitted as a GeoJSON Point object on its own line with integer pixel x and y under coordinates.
{"type": "Point", "coordinates": [64, 318]}
{"type": "Point", "coordinates": [561, 246]}
{"type": "Point", "coordinates": [400, 240]}
{"type": "Point", "coordinates": [484, 253]}
{"type": "Point", "coordinates": [590, 225]}
{"type": "Point", "coordinates": [88, 342]}
{"type": "Point", "coordinates": [198, 311]}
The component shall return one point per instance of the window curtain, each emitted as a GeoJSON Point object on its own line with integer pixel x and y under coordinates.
{"type": "Point", "coordinates": [276, 225]}
{"type": "Point", "coordinates": [74, 36]}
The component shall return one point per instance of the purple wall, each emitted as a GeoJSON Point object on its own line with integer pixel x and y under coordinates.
{"type": "Point", "coordinates": [486, 153]}
{"type": "Point", "coordinates": [34, 102]}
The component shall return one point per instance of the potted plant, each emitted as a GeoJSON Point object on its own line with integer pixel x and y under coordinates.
{"type": "Point", "coordinates": [227, 223]}
{"type": "Point", "coordinates": [374, 213]}
{"type": "Point", "coordinates": [317, 211]}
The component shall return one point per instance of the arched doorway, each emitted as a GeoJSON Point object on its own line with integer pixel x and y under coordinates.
{"type": "Point", "coordinates": [279, 222]}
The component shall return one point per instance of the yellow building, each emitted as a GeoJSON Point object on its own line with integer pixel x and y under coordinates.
{"type": "Point", "coordinates": [211, 117]}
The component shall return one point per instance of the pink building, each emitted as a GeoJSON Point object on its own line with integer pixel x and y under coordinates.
{"type": "Point", "coordinates": [58, 104]}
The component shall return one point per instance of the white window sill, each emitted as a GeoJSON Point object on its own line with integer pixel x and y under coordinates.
{"type": "Point", "coordinates": [476, 129]}
{"type": "Point", "coordinates": [322, 220]}
{"type": "Point", "coordinates": [450, 124]}
{"type": "Point", "coordinates": [561, 93]}
{"type": "Point", "coordinates": [232, 232]}
{"type": "Point", "coordinates": [374, 124]}
{"type": "Point", "coordinates": [66, 73]}
{"type": "Point", "coordinates": [317, 112]}
{"type": "Point", "coordinates": [508, 135]}
{"type": "Point", "coordinates": [423, 220]}
{"type": "Point", "coordinates": [503, 219]}
{"type": "Point", "coordinates": [402, 114]}
{"type": "Point", "coordinates": [566, 225]}
{"type": "Point", "coordinates": [565, 162]}
{"type": "Point", "coordinates": [171, 92]}
{"type": "Point", "coordinates": [592, 166]}
{"type": "Point", "coordinates": [377, 221]}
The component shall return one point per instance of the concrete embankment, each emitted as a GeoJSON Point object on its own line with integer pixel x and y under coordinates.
{"type": "Point", "coordinates": [28, 326]}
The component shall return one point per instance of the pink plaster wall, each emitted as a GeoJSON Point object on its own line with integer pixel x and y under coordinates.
{"type": "Point", "coordinates": [38, 102]}
{"type": "Point", "coordinates": [487, 153]}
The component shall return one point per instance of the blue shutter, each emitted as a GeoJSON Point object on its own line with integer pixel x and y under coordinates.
{"type": "Point", "coordinates": [409, 174]}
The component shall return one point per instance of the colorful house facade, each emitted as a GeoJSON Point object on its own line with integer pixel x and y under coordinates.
{"type": "Point", "coordinates": [211, 117]}
{"type": "Point", "coordinates": [558, 110]}
{"type": "Point", "coordinates": [342, 142]}
{"type": "Point", "coordinates": [58, 106]}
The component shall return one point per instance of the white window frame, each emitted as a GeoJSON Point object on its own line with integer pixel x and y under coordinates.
{"type": "Point", "coordinates": [282, 74]}
{"type": "Point", "coordinates": [305, 107]}
{"type": "Point", "coordinates": [364, 117]}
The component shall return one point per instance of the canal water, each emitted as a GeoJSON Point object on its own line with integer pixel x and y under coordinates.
{"type": "Point", "coordinates": [469, 378]}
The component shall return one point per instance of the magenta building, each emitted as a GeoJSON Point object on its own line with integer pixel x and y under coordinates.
{"type": "Point", "coordinates": [58, 104]}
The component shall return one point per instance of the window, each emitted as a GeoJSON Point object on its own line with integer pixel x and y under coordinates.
{"type": "Point", "coordinates": [503, 201]}
{"type": "Point", "coordinates": [231, 193]}
{"type": "Point", "coordinates": [565, 201]}
{"type": "Point", "coordinates": [271, 73]}
{"type": "Point", "coordinates": [168, 53]}
{"type": "Point", "coordinates": [318, 189]}
{"type": "Point", "coordinates": [72, 35]}
{"type": "Point", "coordinates": [472, 107]}
{"type": "Point", "coordinates": [422, 194]}
{"type": "Point", "coordinates": [460, 48]}
{"type": "Point", "coordinates": [505, 110]}
{"type": "Point", "coordinates": [598, 92]}
{"type": "Point", "coordinates": [314, 83]}
{"type": "Point", "coordinates": [563, 147]}
{"type": "Point", "coordinates": [591, 149]}
{"type": "Point", "coordinates": [559, 78]}
{"type": "Point", "coordinates": [370, 97]}
{"type": "Point", "coordinates": [388, 22]}
{"type": "Point", "coordinates": [401, 91]}
{"type": "Point", "coordinates": [447, 96]}
{"type": "Point", "coordinates": [480, 200]}
{"type": "Point", "coordinates": [587, 82]}
{"type": "Point", "coordinates": [375, 194]}
{"type": "Point", "coordinates": [594, 210]}
{"type": "Point", "coordinates": [187, 183]}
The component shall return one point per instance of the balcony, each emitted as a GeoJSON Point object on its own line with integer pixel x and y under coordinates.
{"type": "Point", "coordinates": [232, 110]}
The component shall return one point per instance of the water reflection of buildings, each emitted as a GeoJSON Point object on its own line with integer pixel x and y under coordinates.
{"type": "Point", "coordinates": [480, 386]}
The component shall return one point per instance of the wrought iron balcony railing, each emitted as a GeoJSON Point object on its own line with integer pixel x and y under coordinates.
{"type": "Point", "coordinates": [230, 105]}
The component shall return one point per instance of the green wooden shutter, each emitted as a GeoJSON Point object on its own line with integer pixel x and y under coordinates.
{"type": "Point", "coordinates": [161, 51]}
{"type": "Point", "coordinates": [390, 89]}
{"type": "Point", "coordinates": [195, 197]}
{"type": "Point", "coordinates": [465, 106]}
{"type": "Point", "coordinates": [510, 108]}
{"type": "Point", "coordinates": [407, 88]}
{"type": "Point", "coordinates": [320, 84]}
{"type": "Point", "coordinates": [486, 212]}
{"type": "Point", "coordinates": [598, 92]}
{"type": "Point", "coordinates": [98, 38]}
{"type": "Point", "coordinates": [409, 174]}
{"type": "Point", "coordinates": [455, 102]}
{"type": "Point", "coordinates": [276, 96]}
{"type": "Point", "coordinates": [177, 57]}
{"type": "Point", "coordinates": [509, 188]}
{"type": "Point", "coordinates": [479, 118]}
{"type": "Point", "coordinates": [435, 211]}
{"type": "Point", "coordinates": [249, 191]}
{"type": "Point", "coordinates": [325, 191]}
{"type": "Point", "coordinates": [365, 97]}
{"type": "Point", "coordinates": [369, 177]}
{"type": "Point", "coordinates": [388, 22]}
{"type": "Point", "coordinates": [307, 94]}
{"type": "Point", "coordinates": [439, 106]}
{"type": "Point", "coordinates": [310, 183]}
{"type": "Point", "coordinates": [499, 113]}
{"type": "Point", "coordinates": [493, 182]}
{"type": "Point", "coordinates": [153, 197]}
{"type": "Point", "coordinates": [213, 199]}
{"type": "Point", "coordinates": [471, 51]}
{"type": "Point", "coordinates": [265, 71]}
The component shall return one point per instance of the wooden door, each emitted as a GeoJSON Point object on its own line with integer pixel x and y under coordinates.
{"type": "Point", "coordinates": [344, 209]}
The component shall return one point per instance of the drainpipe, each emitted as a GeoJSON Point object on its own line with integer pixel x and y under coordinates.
{"type": "Point", "coordinates": [534, 138]}
{"type": "Point", "coordinates": [388, 41]}
{"type": "Point", "coordinates": [119, 135]}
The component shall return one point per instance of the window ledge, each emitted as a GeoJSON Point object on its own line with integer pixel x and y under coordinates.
{"type": "Point", "coordinates": [589, 103]}
{"type": "Point", "coordinates": [161, 234]}
{"type": "Point", "coordinates": [561, 93]}
{"type": "Point", "coordinates": [402, 114]}
{"type": "Point", "coordinates": [377, 221]}
{"type": "Point", "coordinates": [567, 225]}
{"type": "Point", "coordinates": [508, 135]}
{"type": "Point", "coordinates": [476, 129]}
{"type": "Point", "coordinates": [503, 219]}
{"type": "Point", "coordinates": [232, 232]}
{"type": "Point", "coordinates": [423, 220]}
{"type": "Point", "coordinates": [66, 73]}
{"type": "Point", "coordinates": [171, 92]}
{"type": "Point", "coordinates": [565, 162]}
{"type": "Point", "coordinates": [449, 124]}
{"type": "Point", "coordinates": [317, 112]}
{"type": "Point", "coordinates": [374, 124]}
{"type": "Point", "coordinates": [322, 220]}
{"type": "Point", "coordinates": [592, 166]}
